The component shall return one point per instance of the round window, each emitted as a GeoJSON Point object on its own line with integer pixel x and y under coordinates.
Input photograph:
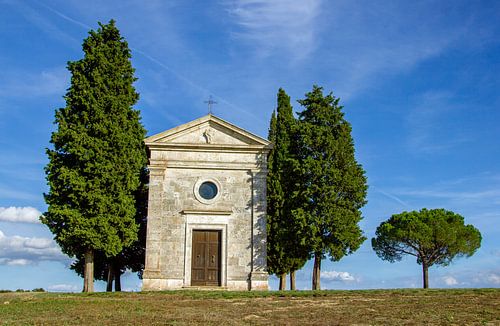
{"type": "Point", "coordinates": [208, 190]}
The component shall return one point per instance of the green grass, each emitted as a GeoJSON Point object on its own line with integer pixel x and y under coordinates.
{"type": "Point", "coordinates": [368, 307]}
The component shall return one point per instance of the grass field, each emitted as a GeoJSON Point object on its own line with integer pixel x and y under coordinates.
{"type": "Point", "coordinates": [370, 307]}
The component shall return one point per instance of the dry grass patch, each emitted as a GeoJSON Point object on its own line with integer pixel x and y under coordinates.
{"type": "Point", "coordinates": [380, 307]}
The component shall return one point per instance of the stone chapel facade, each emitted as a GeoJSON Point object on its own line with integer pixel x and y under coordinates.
{"type": "Point", "coordinates": [207, 207]}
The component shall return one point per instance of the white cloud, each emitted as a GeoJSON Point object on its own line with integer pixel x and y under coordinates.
{"type": "Point", "coordinates": [337, 276]}
{"type": "Point", "coordinates": [278, 24]}
{"type": "Point", "coordinates": [450, 280]}
{"type": "Point", "coordinates": [485, 278]}
{"type": "Point", "coordinates": [63, 288]}
{"type": "Point", "coordinates": [14, 262]}
{"type": "Point", "coordinates": [20, 214]}
{"type": "Point", "coordinates": [17, 250]}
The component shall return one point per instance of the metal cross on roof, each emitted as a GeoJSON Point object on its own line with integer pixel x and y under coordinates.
{"type": "Point", "coordinates": [210, 102]}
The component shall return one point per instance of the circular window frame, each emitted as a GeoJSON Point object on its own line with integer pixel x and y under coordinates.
{"type": "Point", "coordinates": [196, 190]}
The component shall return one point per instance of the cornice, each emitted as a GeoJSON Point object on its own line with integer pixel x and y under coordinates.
{"type": "Point", "coordinates": [206, 212]}
{"type": "Point", "coordinates": [224, 148]}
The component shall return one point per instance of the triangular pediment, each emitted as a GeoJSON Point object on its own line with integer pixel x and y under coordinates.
{"type": "Point", "coordinates": [207, 131]}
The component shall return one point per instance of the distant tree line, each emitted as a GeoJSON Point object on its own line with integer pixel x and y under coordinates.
{"type": "Point", "coordinates": [22, 290]}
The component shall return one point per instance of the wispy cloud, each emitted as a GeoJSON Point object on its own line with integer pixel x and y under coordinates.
{"type": "Point", "coordinates": [35, 17]}
{"type": "Point", "coordinates": [156, 11]}
{"type": "Point", "coordinates": [391, 196]}
{"type": "Point", "coordinates": [427, 119]}
{"type": "Point", "coordinates": [20, 214]}
{"type": "Point", "coordinates": [278, 25]}
{"type": "Point", "coordinates": [33, 84]}
{"type": "Point", "coordinates": [496, 252]}
{"type": "Point", "coordinates": [476, 197]}
{"type": "Point", "coordinates": [17, 250]}
{"type": "Point", "coordinates": [479, 187]}
{"type": "Point", "coordinates": [469, 196]}
{"type": "Point", "coordinates": [63, 16]}
{"type": "Point", "coordinates": [368, 42]}
{"type": "Point", "coordinates": [9, 193]}
{"type": "Point", "coordinates": [192, 84]}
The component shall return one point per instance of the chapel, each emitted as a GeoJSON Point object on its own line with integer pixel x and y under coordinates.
{"type": "Point", "coordinates": [206, 208]}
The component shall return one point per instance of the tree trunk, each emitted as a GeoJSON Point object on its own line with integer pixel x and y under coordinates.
{"type": "Point", "coordinates": [283, 282]}
{"type": "Point", "coordinates": [316, 285]}
{"type": "Point", "coordinates": [118, 283]}
{"type": "Point", "coordinates": [425, 271]}
{"type": "Point", "coordinates": [292, 281]}
{"type": "Point", "coordinates": [111, 276]}
{"type": "Point", "coordinates": [88, 272]}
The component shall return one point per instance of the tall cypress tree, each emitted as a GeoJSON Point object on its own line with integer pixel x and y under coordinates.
{"type": "Point", "coordinates": [333, 185]}
{"type": "Point", "coordinates": [98, 153]}
{"type": "Point", "coordinates": [282, 244]}
{"type": "Point", "coordinates": [274, 251]}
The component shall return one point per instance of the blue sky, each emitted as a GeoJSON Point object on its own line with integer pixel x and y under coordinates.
{"type": "Point", "coordinates": [418, 80]}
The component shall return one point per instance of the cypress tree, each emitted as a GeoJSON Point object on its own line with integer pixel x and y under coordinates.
{"type": "Point", "coordinates": [282, 243]}
{"type": "Point", "coordinates": [275, 252]}
{"type": "Point", "coordinates": [333, 185]}
{"type": "Point", "coordinates": [98, 153]}
{"type": "Point", "coordinates": [110, 269]}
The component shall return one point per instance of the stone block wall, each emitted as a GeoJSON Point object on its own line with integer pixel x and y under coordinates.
{"type": "Point", "coordinates": [175, 210]}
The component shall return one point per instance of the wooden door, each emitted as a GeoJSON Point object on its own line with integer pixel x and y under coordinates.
{"type": "Point", "coordinates": [205, 261]}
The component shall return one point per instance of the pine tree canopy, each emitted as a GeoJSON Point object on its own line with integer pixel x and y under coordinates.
{"type": "Point", "coordinates": [98, 151]}
{"type": "Point", "coordinates": [434, 237]}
